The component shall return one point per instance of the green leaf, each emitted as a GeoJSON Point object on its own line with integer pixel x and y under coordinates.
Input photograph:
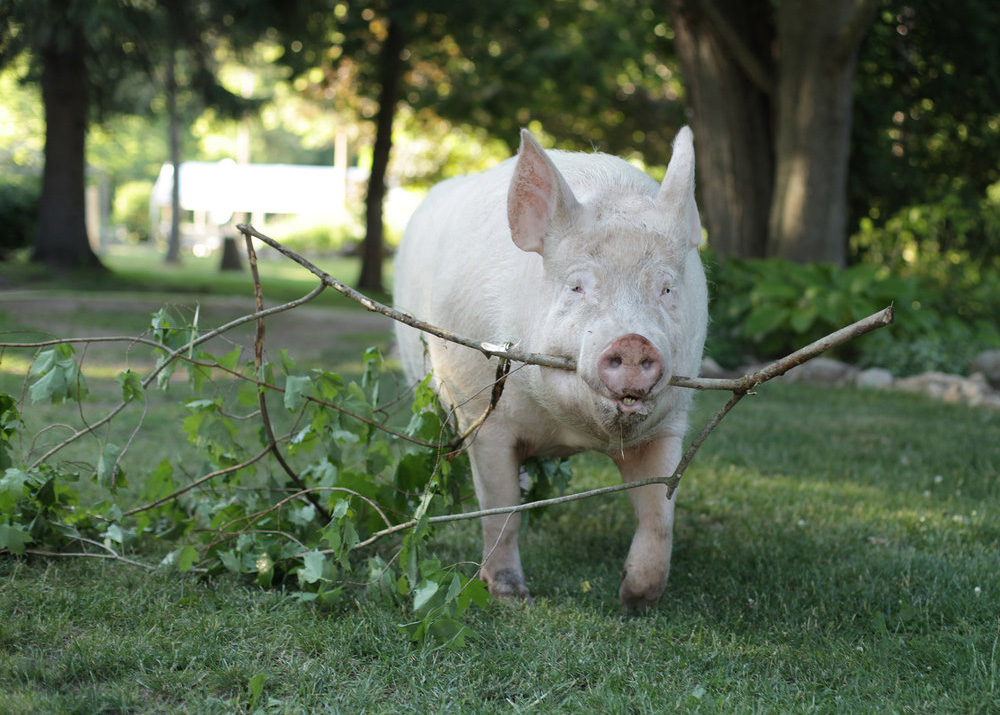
{"type": "Point", "coordinates": [160, 482]}
{"type": "Point", "coordinates": [423, 594]}
{"type": "Point", "coordinates": [14, 538]}
{"type": "Point", "coordinates": [107, 466]}
{"type": "Point", "coordinates": [59, 376]}
{"type": "Point", "coordinates": [764, 319]}
{"type": "Point", "coordinates": [803, 319]}
{"type": "Point", "coordinates": [256, 688]}
{"type": "Point", "coordinates": [186, 558]}
{"type": "Point", "coordinates": [297, 389]}
{"type": "Point", "coordinates": [131, 386]}
{"type": "Point", "coordinates": [313, 564]}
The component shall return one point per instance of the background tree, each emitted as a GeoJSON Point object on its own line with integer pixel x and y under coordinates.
{"type": "Point", "coordinates": [93, 59]}
{"type": "Point", "coordinates": [770, 86]}
{"type": "Point", "coordinates": [54, 34]}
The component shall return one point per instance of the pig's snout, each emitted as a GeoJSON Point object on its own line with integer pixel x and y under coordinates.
{"type": "Point", "coordinates": [630, 366]}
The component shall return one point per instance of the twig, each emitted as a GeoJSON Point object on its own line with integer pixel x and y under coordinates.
{"type": "Point", "coordinates": [197, 482]}
{"type": "Point", "coordinates": [265, 416]}
{"type": "Point", "coordinates": [112, 556]}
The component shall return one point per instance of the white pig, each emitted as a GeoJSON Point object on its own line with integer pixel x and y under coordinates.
{"type": "Point", "coordinates": [569, 254]}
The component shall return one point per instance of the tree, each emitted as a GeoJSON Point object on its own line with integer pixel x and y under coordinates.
{"type": "Point", "coordinates": [771, 89]}
{"type": "Point", "coordinates": [52, 32]}
{"type": "Point", "coordinates": [91, 59]}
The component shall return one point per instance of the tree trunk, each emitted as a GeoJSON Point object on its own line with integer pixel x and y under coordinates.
{"type": "Point", "coordinates": [390, 75]}
{"type": "Point", "coordinates": [62, 241]}
{"type": "Point", "coordinates": [174, 239]}
{"type": "Point", "coordinates": [724, 56]}
{"type": "Point", "coordinates": [816, 64]}
{"type": "Point", "coordinates": [771, 94]}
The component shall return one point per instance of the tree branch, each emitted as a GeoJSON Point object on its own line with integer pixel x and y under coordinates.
{"type": "Point", "coordinates": [488, 349]}
{"type": "Point", "coordinates": [258, 357]}
{"type": "Point", "coordinates": [741, 387]}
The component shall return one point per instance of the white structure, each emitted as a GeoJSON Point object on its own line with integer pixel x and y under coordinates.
{"type": "Point", "coordinates": [215, 191]}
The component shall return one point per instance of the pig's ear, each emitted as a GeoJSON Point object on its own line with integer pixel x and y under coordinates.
{"type": "Point", "coordinates": [538, 194]}
{"type": "Point", "coordinates": [677, 190]}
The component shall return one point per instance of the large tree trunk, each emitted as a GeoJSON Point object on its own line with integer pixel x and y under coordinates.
{"type": "Point", "coordinates": [62, 230]}
{"type": "Point", "coordinates": [731, 119]}
{"type": "Point", "coordinates": [390, 76]}
{"type": "Point", "coordinates": [771, 94]}
{"type": "Point", "coordinates": [818, 42]}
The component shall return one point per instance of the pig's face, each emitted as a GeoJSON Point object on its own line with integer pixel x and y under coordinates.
{"type": "Point", "coordinates": [619, 294]}
{"type": "Point", "coordinates": [624, 294]}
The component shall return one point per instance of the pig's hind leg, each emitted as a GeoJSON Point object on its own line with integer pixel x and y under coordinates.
{"type": "Point", "coordinates": [495, 470]}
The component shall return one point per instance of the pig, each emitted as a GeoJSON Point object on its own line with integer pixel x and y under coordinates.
{"type": "Point", "coordinates": [569, 254]}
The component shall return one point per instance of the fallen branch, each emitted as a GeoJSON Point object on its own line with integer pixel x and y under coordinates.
{"type": "Point", "coordinates": [740, 387]}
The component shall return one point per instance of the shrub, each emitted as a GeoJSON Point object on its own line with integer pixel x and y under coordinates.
{"type": "Point", "coordinates": [336, 237]}
{"type": "Point", "coordinates": [18, 214]}
{"type": "Point", "coordinates": [767, 308]}
{"type": "Point", "coordinates": [131, 209]}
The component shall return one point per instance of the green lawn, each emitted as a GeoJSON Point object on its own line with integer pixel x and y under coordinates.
{"type": "Point", "coordinates": [836, 551]}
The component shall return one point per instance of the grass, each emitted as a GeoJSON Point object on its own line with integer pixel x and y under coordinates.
{"type": "Point", "coordinates": [835, 552]}
{"type": "Point", "coordinates": [139, 269]}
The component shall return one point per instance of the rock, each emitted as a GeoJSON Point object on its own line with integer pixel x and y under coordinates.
{"type": "Point", "coordinates": [988, 363]}
{"type": "Point", "coordinates": [874, 378]}
{"type": "Point", "coordinates": [823, 371]}
{"type": "Point", "coordinates": [949, 388]}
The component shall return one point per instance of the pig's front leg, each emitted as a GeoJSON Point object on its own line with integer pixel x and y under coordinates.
{"type": "Point", "coordinates": [648, 564]}
{"type": "Point", "coordinates": [495, 467]}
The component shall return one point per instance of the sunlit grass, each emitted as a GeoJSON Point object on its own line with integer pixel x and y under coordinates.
{"type": "Point", "coordinates": [141, 269]}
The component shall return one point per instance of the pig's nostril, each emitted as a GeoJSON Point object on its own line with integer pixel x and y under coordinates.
{"type": "Point", "coordinates": [646, 364]}
{"type": "Point", "coordinates": [615, 362]}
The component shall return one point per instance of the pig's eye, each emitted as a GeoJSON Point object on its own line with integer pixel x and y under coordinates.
{"type": "Point", "coordinates": [579, 283]}
{"type": "Point", "coordinates": [665, 291]}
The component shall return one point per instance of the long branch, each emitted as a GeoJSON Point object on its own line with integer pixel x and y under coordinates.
{"type": "Point", "coordinates": [740, 388]}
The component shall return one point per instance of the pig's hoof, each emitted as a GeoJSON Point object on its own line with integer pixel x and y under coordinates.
{"type": "Point", "coordinates": [508, 585]}
{"type": "Point", "coordinates": [638, 596]}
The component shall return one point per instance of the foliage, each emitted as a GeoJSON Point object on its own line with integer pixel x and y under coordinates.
{"type": "Point", "coordinates": [131, 209]}
{"type": "Point", "coordinates": [927, 108]}
{"type": "Point", "coordinates": [335, 237]}
{"type": "Point", "coordinates": [18, 214]}
{"type": "Point", "coordinates": [294, 509]}
{"type": "Point", "coordinates": [765, 308]}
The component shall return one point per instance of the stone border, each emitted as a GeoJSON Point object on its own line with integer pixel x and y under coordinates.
{"type": "Point", "coordinates": [980, 389]}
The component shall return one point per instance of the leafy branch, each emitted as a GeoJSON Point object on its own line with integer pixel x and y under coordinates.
{"type": "Point", "coordinates": [345, 477]}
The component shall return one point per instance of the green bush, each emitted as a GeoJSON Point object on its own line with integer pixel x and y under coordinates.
{"type": "Point", "coordinates": [945, 314]}
{"type": "Point", "coordinates": [18, 214]}
{"type": "Point", "coordinates": [337, 237]}
{"type": "Point", "coordinates": [131, 209]}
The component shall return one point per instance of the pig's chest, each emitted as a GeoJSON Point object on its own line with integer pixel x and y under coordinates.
{"type": "Point", "coordinates": [539, 432]}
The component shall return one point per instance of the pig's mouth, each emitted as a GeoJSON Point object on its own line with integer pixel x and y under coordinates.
{"type": "Point", "coordinates": [628, 408]}
{"type": "Point", "coordinates": [630, 404]}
